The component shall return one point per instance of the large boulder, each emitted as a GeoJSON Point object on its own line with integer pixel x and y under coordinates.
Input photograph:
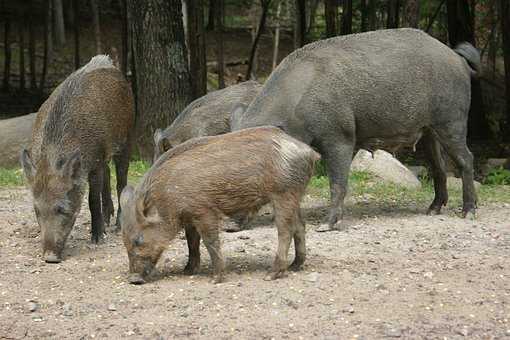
{"type": "Point", "coordinates": [386, 167]}
{"type": "Point", "coordinates": [15, 133]}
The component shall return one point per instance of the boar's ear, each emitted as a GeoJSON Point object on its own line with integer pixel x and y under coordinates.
{"type": "Point", "coordinates": [145, 211]}
{"type": "Point", "coordinates": [126, 196]}
{"type": "Point", "coordinates": [161, 142]}
{"type": "Point", "coordinates": [27, 165]}
{"type": "Point", "coordinates": [72, 167]}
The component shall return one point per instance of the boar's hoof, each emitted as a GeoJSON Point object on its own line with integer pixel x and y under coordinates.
{"type": "Point", "coordinates": [52, 258]}
{"type": "Point", "coordinates": [469, 214]}
{"type": "Point", "coordinates": [217, 279]}
{"type": "Point", "coordinates": [232, 227]}
{"type": "Point", "coordinates": [296, 265]}
{"type": "Point", "coordinates": [274, 275]}
{"type": "Point", "coordinates": [136, 279]}
{"type": "Point", "coordinates": [325, 227]}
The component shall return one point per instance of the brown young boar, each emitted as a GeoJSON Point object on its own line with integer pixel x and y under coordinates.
{"type": "Point", "coordinates": [86, 121]}
{"type": "Point", "coordinates": [196, 184]}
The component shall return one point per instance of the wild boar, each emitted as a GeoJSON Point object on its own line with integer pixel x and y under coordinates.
{"type": "Point", "coordinates": [374, 90]}
{"type": "Point", "coordinates": [196, 184]}
{"type": "Point", "coordinates": [85, 122]}
{"type": "Point", "coordinates": [206, 116]}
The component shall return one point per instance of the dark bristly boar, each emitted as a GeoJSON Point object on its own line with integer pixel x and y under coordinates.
{"type": "Point", "coordinates": [86, 121]}
{"type": "Point", "coordinates": [374, 90]}
{"type": "Point", "coordinates": [206, 116]}
{"type": "Point", "coordinates": [198, 183]}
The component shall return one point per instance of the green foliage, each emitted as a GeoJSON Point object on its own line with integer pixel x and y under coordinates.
{"type": "Point", "coordinates": [11, 178]}
{"type": "Point", "coordinates": [498, 176]}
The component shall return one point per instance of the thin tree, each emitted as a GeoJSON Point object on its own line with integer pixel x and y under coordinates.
{"type": "Point", "coordinates": [505, 30]}
{"type": "Point", "coordinates": [330, 14]}
{"type": "Point", "coordinates": [260, 28]}
{"type": "Point", "coordinates": [46, 42]}
{"type": "Point", "coordinates": [412, 13]}
{"type": "Point", "coordinates": [7, 53]}
{"type": "Point", "coordinates": [124, 37]}
{"type": "Point", "coordinates": [211, 21]}
{"type": "Point", "coordinates": [277, 35]}
{"type": "Point", "coordinates": [21, 45]}
{"type": "Point", "coordinates": [300, 24]}
{"type": "Point", "coordinates": [372, 15]}
{"type": "Point", "coordinates": [219, 15]}
{"type": "Point", "coordinates": [346, 17]}
{"type": "Point", "coordinates": [196, 46]}
{"type": "Point", "coordinates": [364, 15]}
{"type": "Point", "coordinates": [434, 16]}
{"type": "Point", "coordinates": [76, 33]}
{"type": "Point", "coordinates": [161, 76]}
{"type": "Point", "coordinates": [96, 14]}
{"type": "Point", "coordinates": [393, 13]}
{"type": "Point", "coordinates": [58, 15]}
{"type": "Point", "coordinates": [31, 45]}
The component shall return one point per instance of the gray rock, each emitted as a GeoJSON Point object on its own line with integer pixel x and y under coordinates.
{"type": "Point", "coordinates": [312, 277]}
{"type": "Point", "coordinates": [16, 133]}
{"type": "Point", "coordinates": [393, 332]}
{"type": "Point", "coordinates": [418, 170]}
{"type": "Point", "coordinates": [386, 167]}
{"type": "Point", "coordinates": [67, 310]}
{"type": "Point", "coordinates": [455, 183]}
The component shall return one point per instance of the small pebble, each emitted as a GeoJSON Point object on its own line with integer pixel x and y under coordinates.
{"type": "Point", "coordinates": [32, 306]}
{"type": "Point", "coordinates": [111, 307]}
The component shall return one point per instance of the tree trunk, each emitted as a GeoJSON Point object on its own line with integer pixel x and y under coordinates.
{"type": "Point", "coordinates": [346, 17]}
{"type": "Point", "coordinates": [330, 14]}
{"type": "Point", "coordinates": [8, 53]}
{"type": "Point", "coordinates": [393, 13]}
{"type": "Point", "coordinates": [372, 15]}
{"type": "Point", "coordinates": [263, 16]}
{"type": "Point", "coordinates": [505, 29]}
{"type": "Point", "coordinates": [213, 4]}
{"type": "Point", "coordinates": [60, 32]}
{"type": "Point", "coordinates": [460, 28]}
{"type": "Point", "coordinates": [364, 15]}
{"type": "Point", "coordinates": [198, 67]}
{"type": "Point", "coordinates": [162, 81]}
{"type": "Point", "coordinates": [311, 18]}
{"type": "Point", "coordinates": [21, 45]}
{"type": "Point", "coordinates": [300, 24]}
{"type": "Point", "coordinates": [412, 13]}
{"type": "Point", "coordinates": [277, 35]}
{"type": "Point", "coordinates": [94, 5]}
{"type": "Point", "coordinates": [124, 37]}
{"type": "Point", "coordinates": [219, 10]}
{"type": "Point", "coordinates": [31, 45]}
{"type": "Point", "coordinates": [47, 43]}
{"type": "Point", "coordinates": [76, 32]}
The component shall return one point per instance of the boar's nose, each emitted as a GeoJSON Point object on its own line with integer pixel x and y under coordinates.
{"type": "Point", "coordinates": [51, 257]}
{"type": "Point", "coordinates": [136, 279]}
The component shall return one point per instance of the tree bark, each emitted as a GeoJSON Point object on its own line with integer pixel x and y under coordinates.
{"type": "Point", "coordinates": [505, 30]}
{"type": "Point", "coordinates": [31, 45]}
{"type": "Point", "coordinates": [94, 5]}
{"type": "Point", "coordinates": [372, 15]}
{"type": "Point", "coordinates": [300, 24]}
{"type": "Point", "coordinates": [277, 35]}
{"type": "Point", "coordinates": [219, 10]}
{"type": "Point", "coordinates": [263, 16]}
{"type": "Point", "coordinates": [412, 13]}
{"type": "Point", "coordinates": [76, 32]}
{"type": "Point", "coordinates": [47, 42]}
{"type": "Point", "coordinates": [330, 14]}
{"type": "Point", "coordinates": [162, 81]}
{"type": "Point", "coordinates": [346, 17]}
{"type": "Point", "coordinates": [311, 18]}
{"type": "Point", "coordinates": [198, 68]}
{"type": "Point", "coordinates": [364, 15]}
{"type": "Point", "coordinates": [8, 53]}
{"type": "Point", "coordinates": [213, 4]}
{"type": "Point", "coordinates": [21, 45]}
{"type": "Point", "coordinates": [393, 13]}
{"type": "Point", "coordinates": [60, 32]}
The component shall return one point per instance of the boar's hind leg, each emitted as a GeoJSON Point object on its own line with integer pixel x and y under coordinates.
{"type": "Point", "coordinates": [299, 242]}
{"type": "Point", "coordinates": [438, 167]}
{"type": "Point", "coordinates": [95, 188]}
{"type": "Point", "coordinates": [209, 231]}
{"type": "Point", "coordinates": [193, 238]}
{"type": "Point", "coordinates": [121, 161]}
{"type": "Point", "coordinates": [106, 196]}
{"type": "Point", "coordinates": [455, 145]}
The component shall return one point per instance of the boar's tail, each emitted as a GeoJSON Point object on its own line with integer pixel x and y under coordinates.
{"type": "Point", "coordinates": [470, 54]}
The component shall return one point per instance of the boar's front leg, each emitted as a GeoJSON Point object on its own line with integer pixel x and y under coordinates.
{"type": "Point", "coordinates": [193, 238]}
{"type": "Point", "coordinates": [95, 188]}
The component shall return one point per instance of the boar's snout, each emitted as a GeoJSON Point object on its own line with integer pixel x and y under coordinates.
{"type": "Point", "coordinates": [136, 279]}
{"type": "Point", "coordinates": [52, 257]}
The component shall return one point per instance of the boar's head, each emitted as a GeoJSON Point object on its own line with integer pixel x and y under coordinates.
{"type": "Point", "coordinates": [57, 188]}
{"type": "Point", "coordinates": [142, 233]}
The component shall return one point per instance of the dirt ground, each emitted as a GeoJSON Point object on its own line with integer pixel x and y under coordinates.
{"type": "Point", "coordinates": [393, 273]}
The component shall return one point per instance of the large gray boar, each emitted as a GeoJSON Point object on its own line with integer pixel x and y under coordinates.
{"type": "Point", "coordinates": [380, 89]}
{"type": "Point", "coordinates": [86, 121]}
{"type": "Point", "coordinates": [198, 183]}
{"type": "Point", "coordinates": [206, 116]}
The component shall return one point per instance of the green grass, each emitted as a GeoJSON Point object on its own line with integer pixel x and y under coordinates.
{"type": "Point", "coordinates": [362, 186]}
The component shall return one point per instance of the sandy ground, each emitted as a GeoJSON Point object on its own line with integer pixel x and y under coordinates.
{"type": "Point", "coordinates": [394, 273]}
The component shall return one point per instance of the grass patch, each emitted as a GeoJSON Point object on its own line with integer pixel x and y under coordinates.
{"type": "Point", "coordinates": [11, 178]}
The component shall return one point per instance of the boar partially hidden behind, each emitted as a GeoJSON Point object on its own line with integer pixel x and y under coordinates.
{"type": "Point", "coordinates": [206, 116]}
{"type": "Point", "coordinates": [196, 184]}
{"type": "Point", "coordinates": [86, 121]}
